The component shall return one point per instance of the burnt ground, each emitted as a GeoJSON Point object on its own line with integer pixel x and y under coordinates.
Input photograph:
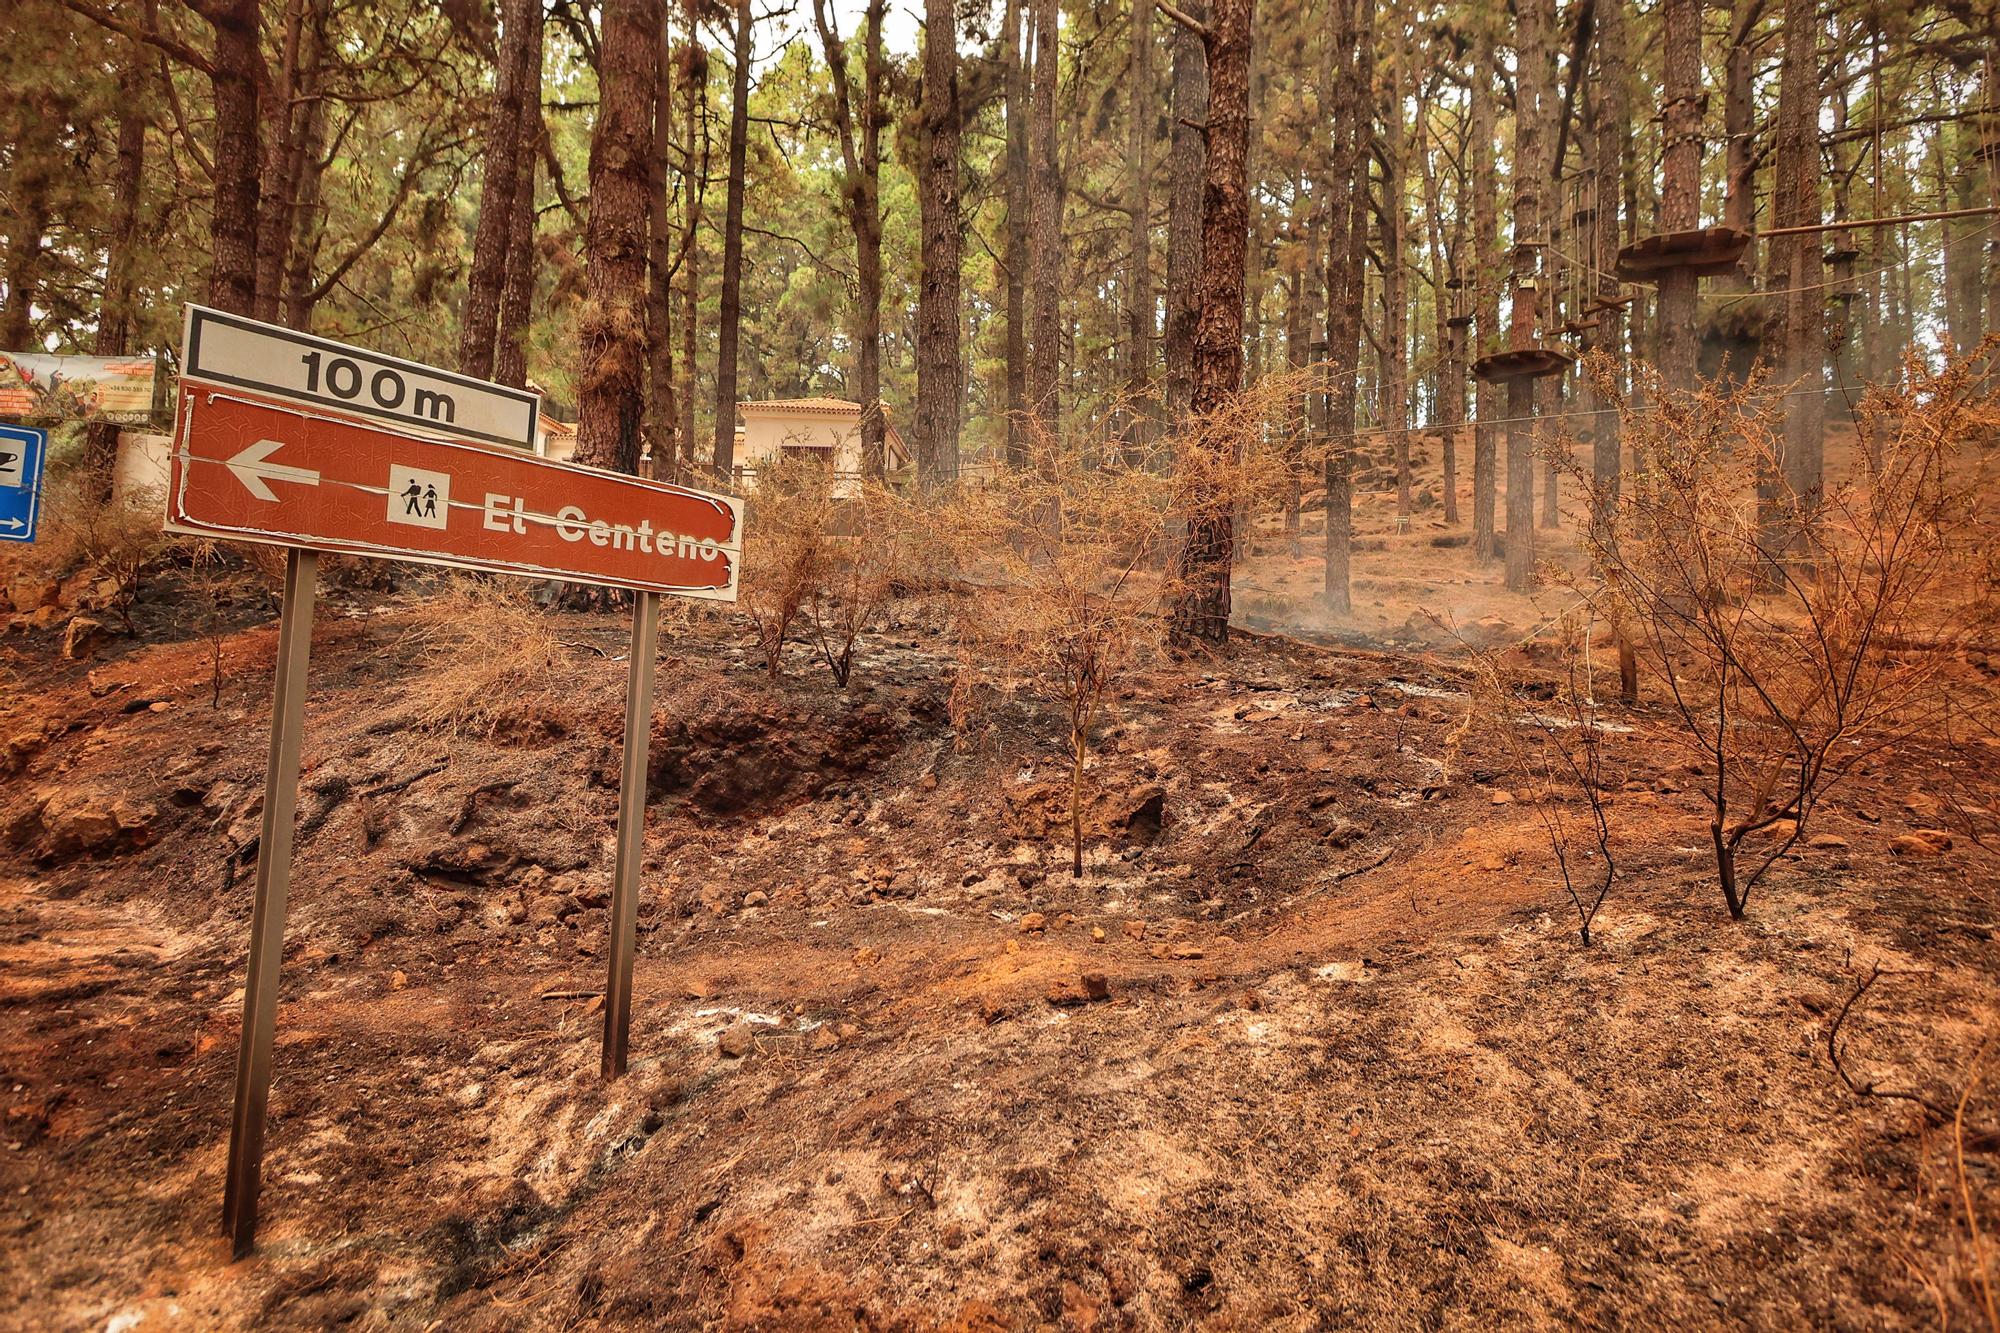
{"type": "Point", "coordinates": [1354, 1068]}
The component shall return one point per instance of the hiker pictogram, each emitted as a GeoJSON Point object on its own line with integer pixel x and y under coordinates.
{"type": "Point", "coordinates": [419, 497]}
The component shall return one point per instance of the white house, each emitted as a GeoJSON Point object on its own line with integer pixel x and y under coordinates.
{"type": "Point", "coordinates": [828, 428]}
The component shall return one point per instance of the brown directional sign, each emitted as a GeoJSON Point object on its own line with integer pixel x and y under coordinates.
{"type": "Point", "coordinates": [252, 468]}
{"type": "Point", "coordinates": [279, 468]}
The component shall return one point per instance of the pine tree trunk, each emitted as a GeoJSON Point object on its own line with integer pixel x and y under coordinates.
{"type": "Point", "coordinates": [1795, 260]}
{"type": "Point", "coordinates": [611, 398]}
{"type": "Point", "coordinates": [1015, 255]}
{"type": "Point", "coordinates": [938, 312]}
{"type": "Point", "coordinates": [1202, 609]}
{"type": "Point", "coordinates": [1186, 167]}
{"type": "Point", "coordinates": [1347, 257]}
{"type": "Point", "coordinates": [1680, 187]}
{"type": "Point", "coordinates": [524, 263]}
{"type": "Point", "coordinates": [729, 312]}
{"type": "Point", "coordinates": [517, 293]}
{"type": "Point", "coordinates": [1613, 114]}
{"type": "Point", "coordinates": [282, 114]}
{"type": "Point", "coordinates": [861, 165]}
{"type": "Point", "coordinates": [36, 168]}
{"type": "Point", "coordinates": [1739, 193]}
{"type": "Point", "coordinates": [506, 145]}
{"type": "Point", "coordinates": [1989, 138]}
{"type": "Point", "coordinates": [1139, 320]}
{"type": "Point", "coordinates": [1533, 103]}
{"type": "Point", "coordinates": [114, 315]}
{"type": "Point", "coordinates": [1448, 378]}
{"type": "Point", "coordinates": [1486, 297]}
{"type": "Point", "coordinates": [237, 81]}
{"type": "Point", "coordinates": [1394, 389]}
{"type": "Point", "coordinates": [694, 79]}
{"type": "Point", "coordinates": [1045, 240]}
{"type": "Point", "coordinates": [662, 412]}
{"type": "Point", "coordinates": [300, 293]}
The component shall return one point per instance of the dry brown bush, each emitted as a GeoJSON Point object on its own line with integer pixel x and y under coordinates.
{"type": "Point", "coordinates": [1788, 665]}
{"type": "Point", "coordinates": [1061, 569]}
{"type": "Point", "coordinates": [787, 548]}
{"type": "Point", "coordinates": [861, 573]}
{"type": "Point", "coordinates": [493, 663]}
{"type": "Point", "coordinates": [1555, 734]}
{"type": "Point", "coordinates": [107, 546]}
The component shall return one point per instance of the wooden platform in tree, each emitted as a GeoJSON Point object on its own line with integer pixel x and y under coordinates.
{"type": "Point", "coordinates": [1705, 251]}
{"type": "Point", "coordinates": [1523, 363]}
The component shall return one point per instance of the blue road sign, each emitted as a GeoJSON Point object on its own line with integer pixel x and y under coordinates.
{"type": "Point", "coordinates": [21, 451]}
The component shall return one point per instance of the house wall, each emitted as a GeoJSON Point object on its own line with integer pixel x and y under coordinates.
{"type": "Point", "coordinates": [764, 437]}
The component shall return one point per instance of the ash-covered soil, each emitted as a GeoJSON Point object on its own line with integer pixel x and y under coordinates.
{"type": "Point", "coordinates": [1350, 1067]}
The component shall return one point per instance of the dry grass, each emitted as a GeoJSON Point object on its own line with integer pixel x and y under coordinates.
{"type": "Point", "coordinates": [495, 665]}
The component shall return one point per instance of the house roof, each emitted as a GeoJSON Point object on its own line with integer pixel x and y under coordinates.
{"type": "Point", "coordinates": [817, 406]}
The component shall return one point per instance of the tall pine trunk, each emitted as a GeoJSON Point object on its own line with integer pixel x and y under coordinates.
{"type": "Point", "coordinates": [114, 314]}
{"type": "Point", "coordinates": [1347, 259]}
{"type": "Point", "coordinates": [1486, 297]}
{"type": "Point", "coordinates": [1045, 240]}
{"type": "Point", "coordinates": [663, 412]}
{"type": "Point", "coordinates": [517, 293]}
{"type": "Point", "coordinates": [506, 145]}
{"type": "Point", "coordinates": [694, 81]}
{"type": "Point", "coordinates": [1680, 186]}
{"type": "Point", "coordinates": [861, 164]}
{"type": "Point", "coordinates": [1201, 610]}
{"type": "Point", "coordinates": [611, 399]}
{"type": "Point", "coordinates": [1139, 199]}
{"type": "Point", "coordinates": [1015, 254]}
{"type": "Point", "coordinates": [1393, 390]}
{"type": "Point", "coordinates": [1611, 108]}
{"type": "Point", "coordinates": [1533, 98]}
{"type": "Point", "coordinates": [1186, 167]}
{"type": "Point", "coordinates": [237, 77]}
{"type": "Point", "coordinates": [729, 312]}
{"type": "Point", "coordinates": [1795, 264]}
{"type": "Point", "coordinates": [938, 299]}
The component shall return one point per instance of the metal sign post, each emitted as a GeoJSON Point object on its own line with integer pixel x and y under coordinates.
{"type": "Point", "coordinates": [267, 915]}
{"type": "Point", "coordinates": [287, 471]}
{"type": "Point", "coordinates": [631, 831]}
{"type": "Point", "coordinates": [22, 449]}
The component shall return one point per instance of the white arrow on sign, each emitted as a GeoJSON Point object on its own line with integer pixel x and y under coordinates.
{"type": "Point", "coordinates": [16, 524]}
{"type": "Point", "coordinates": [250, 468]}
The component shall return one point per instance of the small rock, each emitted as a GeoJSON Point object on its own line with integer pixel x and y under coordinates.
{"type": "Point", "coordinates": [1033, 921]}
{"type": "Point", "coordinates": [1135, 930]}
{"type": "Point", "coordinates": [1096, 986]}
{"type": "Point", "coordinates": [737, 1040]}
{"type": "Point", "coordinates": [398, 979]}
{"type": "Point", "coordinates": [1066, 994]}
{"type": "Point", "coordinates": [1186, 951]}
{"type": "Point", "coordinates": [1503, 798]}
{"type": "Point", "coordinates": [1028, 876]}
{"type": "Point", "coordinates": [1097, 934]}
{"type": "Point", "coordinates": [1827, 842]}
{"type": "Point", "coordinates": [83, 637]}
{"type": "Point", "coordinates": [865, 956]}
{"type": "Point", "coordinates": [1921, 842]}
{"type": "Point", "coordinates": [756, 898]}
{"type": "Point", "coordinates": [824, 1038]}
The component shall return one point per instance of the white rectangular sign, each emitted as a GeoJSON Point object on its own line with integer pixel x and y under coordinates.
{"type": "Point", "coordinates": [229, 349]}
